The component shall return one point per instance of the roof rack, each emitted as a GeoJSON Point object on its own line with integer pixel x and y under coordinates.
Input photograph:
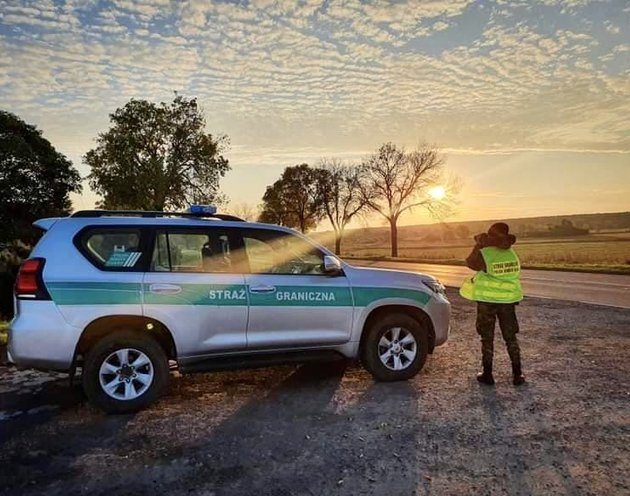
{"type": "Point", "coordinates": [151, 214]}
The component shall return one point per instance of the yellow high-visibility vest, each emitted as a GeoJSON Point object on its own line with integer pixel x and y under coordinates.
{"type": "Point", "coordinates": [500, 283]}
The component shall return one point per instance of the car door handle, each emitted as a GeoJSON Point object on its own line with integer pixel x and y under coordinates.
{"type": "Point", "coordinates": [262, 288]}
{"type": "Point", "coordinates": [165, 289]}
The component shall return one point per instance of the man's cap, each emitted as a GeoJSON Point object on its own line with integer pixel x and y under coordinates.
{"type": "Point", "coordinates": [499, 229]}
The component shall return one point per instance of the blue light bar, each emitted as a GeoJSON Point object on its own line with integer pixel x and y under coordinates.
{"type": "Point", "coordinates": [202, 210]}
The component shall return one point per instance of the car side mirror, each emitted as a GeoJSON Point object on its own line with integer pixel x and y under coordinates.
{"type": "Point", "coordinates": [332, 265]}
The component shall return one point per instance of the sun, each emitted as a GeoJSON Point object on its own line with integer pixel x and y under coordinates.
{"type": "Point", "coordinates": [437, 192]}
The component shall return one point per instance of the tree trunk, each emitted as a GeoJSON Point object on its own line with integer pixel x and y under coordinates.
{"type": "Point", "coordinates": [393, 230]}
{"type": "Point", "coordinates": [337, 243]}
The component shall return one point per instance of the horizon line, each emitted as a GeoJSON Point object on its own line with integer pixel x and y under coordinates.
{"type": "Point", "coordinates": [485, 220]}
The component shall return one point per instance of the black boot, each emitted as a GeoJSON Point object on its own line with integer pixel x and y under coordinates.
{"type": "Point", "coordinates": [485, 377]}
{"type": "Point", "coordinates": [517, 374]}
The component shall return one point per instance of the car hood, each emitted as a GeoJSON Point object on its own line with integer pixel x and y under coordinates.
{"type": "Point", "coordinates": [364, 276]}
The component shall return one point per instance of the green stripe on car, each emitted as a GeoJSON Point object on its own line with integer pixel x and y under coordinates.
{"type": "Point", "coordinates": [200, 294]}
{"type": "Point", "coordinates": [90, 293]}
{"type": "Point", "coordinates": [303, 296]}
{"type": "Point", "coordinates": [364, 296]}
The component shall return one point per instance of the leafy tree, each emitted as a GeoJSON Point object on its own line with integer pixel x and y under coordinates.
{"type": "Point", "coordinates": [157, 156]}
{"type": "Point", "coordinates": [293, 199]}
{"type": "Point", "coordinates": [339, 190]}
{"type": "Point", "coordinates": [273, 209]}
{"type": "Point", "coordinates": [35, 179]}
{"type": "Point", "coordinates": [11, 256]}
{"type": "Point", "coordinates": [396, 181]}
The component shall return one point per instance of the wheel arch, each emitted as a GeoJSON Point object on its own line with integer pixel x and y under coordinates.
{"type": "Point", "coordinates": [413, 311]}
{"type": "Point", "coordinates": [103, 326]}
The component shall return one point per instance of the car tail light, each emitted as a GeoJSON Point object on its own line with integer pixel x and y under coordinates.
{"type": "Point", "coordinates": [29, 282]}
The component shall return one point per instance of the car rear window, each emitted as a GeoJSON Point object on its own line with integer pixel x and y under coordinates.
{"type": "Point", "coordinates": [112, 248]}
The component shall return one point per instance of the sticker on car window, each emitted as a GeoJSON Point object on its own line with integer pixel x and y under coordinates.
{"type": "Point", "coordinates": [123, 259]}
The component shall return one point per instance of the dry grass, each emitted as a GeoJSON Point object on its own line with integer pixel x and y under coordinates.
{"type": "Point", "coordinates": [598, 253]}
{"type": "Point", "coordinates": [613, 252]}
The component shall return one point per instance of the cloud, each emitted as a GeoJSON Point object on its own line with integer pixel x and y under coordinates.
{"type": "Point", "coordinates": [343, 75]}
{"type": "Point", "coordinates": [512, 151]}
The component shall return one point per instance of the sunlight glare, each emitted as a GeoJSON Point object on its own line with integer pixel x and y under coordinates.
{"type": "Point", "coordinates": [437, 192]}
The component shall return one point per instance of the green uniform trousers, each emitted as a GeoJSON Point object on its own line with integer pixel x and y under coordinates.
{"type": "Point", "coordinates": [487, 314]}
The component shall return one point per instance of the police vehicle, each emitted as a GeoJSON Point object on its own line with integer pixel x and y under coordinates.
{"type": "Point", "coordinates": [125, 295]}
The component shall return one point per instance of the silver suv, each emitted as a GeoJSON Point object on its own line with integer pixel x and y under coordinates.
{"type": "Point", "coordinates": [120, 294]}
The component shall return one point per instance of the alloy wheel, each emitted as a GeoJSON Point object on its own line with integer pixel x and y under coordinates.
{"type": "Point", "coordinates": [126, 374]}
{"type": "Point", "coordinates": [397, 348]}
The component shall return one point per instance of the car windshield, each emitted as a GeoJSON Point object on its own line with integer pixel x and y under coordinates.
{"type": "Point", "coordinates": [271, 252]}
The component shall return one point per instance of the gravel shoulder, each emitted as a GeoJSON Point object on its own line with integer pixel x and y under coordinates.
{"type": "Point", "coordinates": [329, 429]}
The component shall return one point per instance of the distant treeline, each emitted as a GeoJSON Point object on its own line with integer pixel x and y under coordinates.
{"type": "Point", "coordinates": [456, 232]}
{"type": "Point", "coordinates": [569, 224]}
{"type": "Point", "coordinates": [565, 228]}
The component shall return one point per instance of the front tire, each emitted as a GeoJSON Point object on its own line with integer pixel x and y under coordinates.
{"type": "Point", "coordinates": [124, 372]}
{"type": "Point", "coordinates": [395, 348]}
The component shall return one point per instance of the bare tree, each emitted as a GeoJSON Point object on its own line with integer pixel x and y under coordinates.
{"type": "Point", "coordinates": [396, 181]}
{"type": "Point", "coordinates": [245, 211]}
{"type": "Point", "coordinates": [340, 193]}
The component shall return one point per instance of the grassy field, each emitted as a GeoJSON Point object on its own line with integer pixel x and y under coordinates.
{"type": "Point", "coordinates": [603, 252]}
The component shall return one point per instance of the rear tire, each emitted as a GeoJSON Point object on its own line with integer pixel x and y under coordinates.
{"type": "Point", "coordinates": [125, 372]}
{"type": "Point", "coordinates": [395, 348]}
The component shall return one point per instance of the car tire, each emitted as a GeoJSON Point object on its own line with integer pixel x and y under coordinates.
{"type": "Point", "coordinates": [408, 347]}
{"type": "Point", "coordinates": [116, 386]}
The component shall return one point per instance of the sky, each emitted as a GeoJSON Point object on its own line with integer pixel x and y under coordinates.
{"type": "Point", "coordinates": [528, 100]}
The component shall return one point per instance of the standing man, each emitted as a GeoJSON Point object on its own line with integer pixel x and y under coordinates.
{"type": "Point", "coordinates": [496, 287]}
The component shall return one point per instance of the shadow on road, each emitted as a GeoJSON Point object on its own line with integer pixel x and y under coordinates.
{"type": "Point", "coordinates": [292, 440]}
{"type": "Point", "coordinates": [30, 401]}
{"type": "Point", "coordinates": [51, 458]}
{"type": "Point", "coordinates": [29, 398]}
{"type": "Point", "coordinates": [510, 434]}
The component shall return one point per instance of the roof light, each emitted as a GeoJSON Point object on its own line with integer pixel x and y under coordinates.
{"type": "Point", "coordinates": [202, 210]}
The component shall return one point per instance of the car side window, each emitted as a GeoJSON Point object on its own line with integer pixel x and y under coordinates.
{"type": "Point", "coordinates": [193, 251]}
{"type": "Point", "coordinates": [276, 252]}
{"type": "Point", "coordinates": [112, 248]}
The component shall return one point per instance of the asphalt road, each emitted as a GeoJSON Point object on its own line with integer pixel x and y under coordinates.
{"type": "Point", "coordinates": [597, 289]}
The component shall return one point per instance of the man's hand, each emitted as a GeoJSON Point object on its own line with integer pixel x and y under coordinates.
{"type": "Point", "coordinates": [475, 260]}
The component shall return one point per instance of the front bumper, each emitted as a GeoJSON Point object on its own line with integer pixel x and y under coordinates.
{"type": "Point", "coordinates": [439, 310]}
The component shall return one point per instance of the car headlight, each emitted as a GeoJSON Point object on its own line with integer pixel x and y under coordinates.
{"type": "Point", "coordinates": [436, 286]}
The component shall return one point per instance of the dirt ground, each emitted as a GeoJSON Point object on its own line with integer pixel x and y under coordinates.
{"type": "Point", "coordinates": [328, 429]}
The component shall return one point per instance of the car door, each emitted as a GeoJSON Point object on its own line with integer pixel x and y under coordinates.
{"type": "Point", "coordinates": [196, 289]}
{"type": "Point", "coordinates": [293, 303]}
{"type": "Point", "coordinates": [110, 285]}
